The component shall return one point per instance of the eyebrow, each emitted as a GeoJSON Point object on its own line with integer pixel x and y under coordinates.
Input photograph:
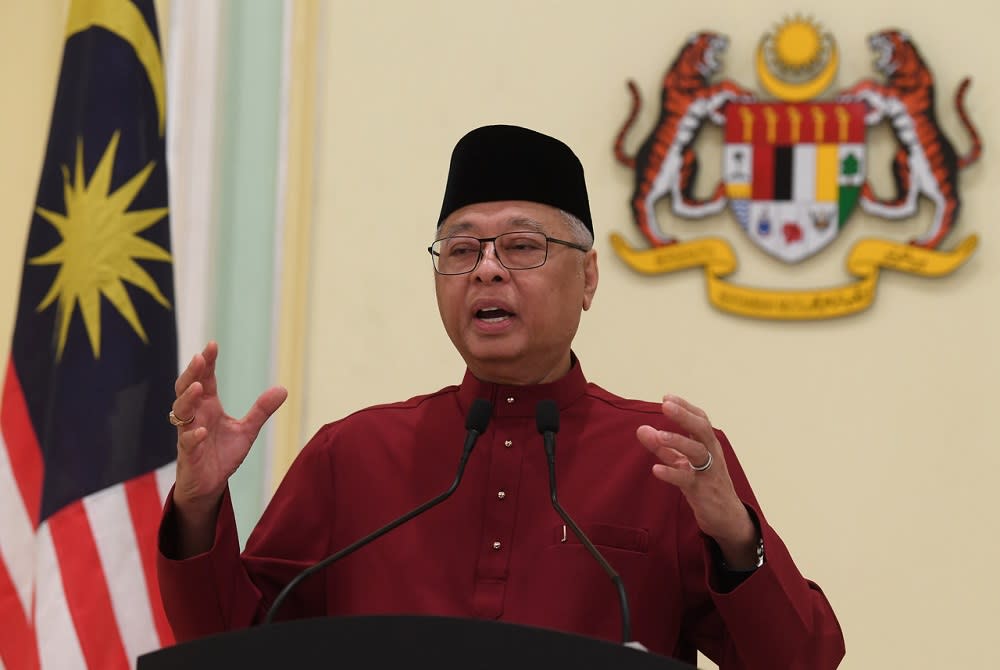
{"type": "Point", "coordinates": [517, 222]}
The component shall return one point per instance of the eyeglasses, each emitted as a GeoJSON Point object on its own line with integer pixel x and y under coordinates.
{"type": "Point", "coordinates": [521, 250]}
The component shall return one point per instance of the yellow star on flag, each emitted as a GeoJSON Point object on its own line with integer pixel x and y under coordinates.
{"type": "Point", "coordinates": [99, 248]}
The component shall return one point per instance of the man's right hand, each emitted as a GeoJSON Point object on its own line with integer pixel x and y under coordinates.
{"type": "Point", "coordinates": [210, 448]}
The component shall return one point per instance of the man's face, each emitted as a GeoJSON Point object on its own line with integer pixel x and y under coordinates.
{"type": "Point", "coordinates": [516, 326]}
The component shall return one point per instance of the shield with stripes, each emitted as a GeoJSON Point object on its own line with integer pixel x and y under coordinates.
{"type": "Point", "coordinates": [793, 172]}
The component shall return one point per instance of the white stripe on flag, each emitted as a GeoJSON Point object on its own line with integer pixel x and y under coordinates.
{"type": "Point", "coordinates": [58, 646]}
{"type": "Point", "coordinates": [114, 535]}
{"type": "Point", "coordinates": [17, 540]}
{"type": "Point", "coordinates": [804, 176]}
{"type": "Point", "coordinates": [165, 477]}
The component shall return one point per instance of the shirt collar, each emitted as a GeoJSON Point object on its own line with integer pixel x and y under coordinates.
{"type": "Point", "coordinates": [519, 401]}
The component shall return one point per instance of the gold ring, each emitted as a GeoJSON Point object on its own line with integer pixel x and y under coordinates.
{"type": "Point", "coordinates": [177, 421]}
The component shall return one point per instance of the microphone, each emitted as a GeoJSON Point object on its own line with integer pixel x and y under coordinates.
{"type": "Point", "coordinates": [475, 425]}
{"type": "Point", "coordinates": [547, 421]}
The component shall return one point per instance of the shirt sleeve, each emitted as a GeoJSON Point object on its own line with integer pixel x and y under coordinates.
{"type": "Point", "coordinates": [222, 590]}
{"type": "Point", "coordinates": [774, 618]}
{"type": "Point", "coordinates": [725, 579]}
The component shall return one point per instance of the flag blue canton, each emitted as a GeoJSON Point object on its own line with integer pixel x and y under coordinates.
{"type": "Point", "coordinates": [99, 419]}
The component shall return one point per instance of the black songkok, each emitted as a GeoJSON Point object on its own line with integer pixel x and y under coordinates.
{"type": "Point", "coordinates": [511, 163]}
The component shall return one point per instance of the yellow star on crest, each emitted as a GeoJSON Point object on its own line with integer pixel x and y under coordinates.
{"type": "Point", "coordinates": [798, 44]}
{"type": "Point", "coordinates": [99, 248]}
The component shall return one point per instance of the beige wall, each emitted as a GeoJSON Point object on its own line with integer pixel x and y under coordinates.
{"type": "Point", "coordinates": [867, 438]}
{"type": "Point", "coordinates": [30, 53]}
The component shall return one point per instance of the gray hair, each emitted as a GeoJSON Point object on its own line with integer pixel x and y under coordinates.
{"type": "Point", "coordinates": [580, 233]}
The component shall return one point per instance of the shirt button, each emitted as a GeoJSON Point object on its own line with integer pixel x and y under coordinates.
{"type": "Point", "coordinates": [508, 444]}
{"type": "Point", "coordinates": [501, 494]}
{"type": "Point", "coordinates": [510, 400]}
{"type": "Point", "coordinates": [496, 546]}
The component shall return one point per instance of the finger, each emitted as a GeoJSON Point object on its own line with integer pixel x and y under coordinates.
{"type": "Point", "coordinates": [191, 373]}
{"type": "Point", "coordinates": [211, 355]}
{"type": "Point", "coordinates": [681, 477]}
{"type": "Point", "coordinates": [189, 440]}
{"type": "Point", "coordinates": [186, 405]}
{"type": "Point", "coordinates": [676, 399]}
{"type": "Point", "coordinates": [673, 449]}
{"type": "Point", "coordinates": [691, 419]}
{"type": "Point", "coordinates": [265, 405]}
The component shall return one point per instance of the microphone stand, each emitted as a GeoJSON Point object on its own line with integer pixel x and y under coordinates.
{"type": "Point", "coordinates": [547, 415]}
{"type": "Point", "coordinates": [479, 415]}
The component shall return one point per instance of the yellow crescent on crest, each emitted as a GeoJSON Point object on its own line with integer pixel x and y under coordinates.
{"type": "Point", "coordinates": [806, 57]}
{"type": "Point", "coordinates": [124, 19]}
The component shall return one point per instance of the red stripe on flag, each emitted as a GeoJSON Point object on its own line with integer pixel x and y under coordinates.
{"type": "Point", "coordinates": [144, 506]}
{"type": "Point", "coordinates": [86, 589]}
{"type": "Point", "coordinates": [763, 172]}
{"type": "Point", "coordinates": [22, 444]}
{"type": "Point", "coordinates": [18, 648]}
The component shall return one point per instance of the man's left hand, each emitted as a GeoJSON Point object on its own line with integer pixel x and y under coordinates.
{"type": "Point", "coordinates": [718, 510]}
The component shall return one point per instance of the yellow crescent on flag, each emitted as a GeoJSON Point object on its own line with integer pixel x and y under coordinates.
{"type": "Point", "coordinates": [124, 19]}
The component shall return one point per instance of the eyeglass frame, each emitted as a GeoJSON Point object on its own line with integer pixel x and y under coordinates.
{"type": "Point", "coordinates": [482, 245]}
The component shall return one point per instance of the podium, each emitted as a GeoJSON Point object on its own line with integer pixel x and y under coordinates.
{"type": "Point", "coordinates": [401, 642]}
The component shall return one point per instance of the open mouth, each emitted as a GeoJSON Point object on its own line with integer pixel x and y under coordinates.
{"type": "Point", "coordinates": [712, 60]}
{"type": "Point", "coordinates": [493, 314]}
{"type": "Point", "coordinates": [883, 54]}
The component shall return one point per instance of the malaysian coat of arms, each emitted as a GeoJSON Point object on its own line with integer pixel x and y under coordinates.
{"type": "Point", "coordinates": [794, 168]}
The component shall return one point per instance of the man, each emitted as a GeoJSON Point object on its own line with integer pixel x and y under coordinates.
{"type": "Point", "coordinates": [654, 486]}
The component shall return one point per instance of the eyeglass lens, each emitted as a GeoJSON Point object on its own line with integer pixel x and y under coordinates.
{"type": "Point", "coordinates": [515, 251]}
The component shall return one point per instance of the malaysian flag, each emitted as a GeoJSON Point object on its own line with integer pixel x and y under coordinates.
{"type": "Point", "coordinates": [86, 450]}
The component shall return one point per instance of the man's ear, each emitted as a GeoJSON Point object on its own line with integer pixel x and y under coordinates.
{"type": "Point", "coordinates": [590, 276]}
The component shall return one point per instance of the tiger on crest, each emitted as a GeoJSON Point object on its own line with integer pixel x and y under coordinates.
{"type": "Point", "coordinates": [666, 163]}
{"type": "Point", "coordinates": [926, 162]}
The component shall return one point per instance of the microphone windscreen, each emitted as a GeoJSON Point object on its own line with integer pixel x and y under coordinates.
{"type": "Point", "coordinates": [479, 415]}
{"type": "Point", "coordinates": [547, 416]}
